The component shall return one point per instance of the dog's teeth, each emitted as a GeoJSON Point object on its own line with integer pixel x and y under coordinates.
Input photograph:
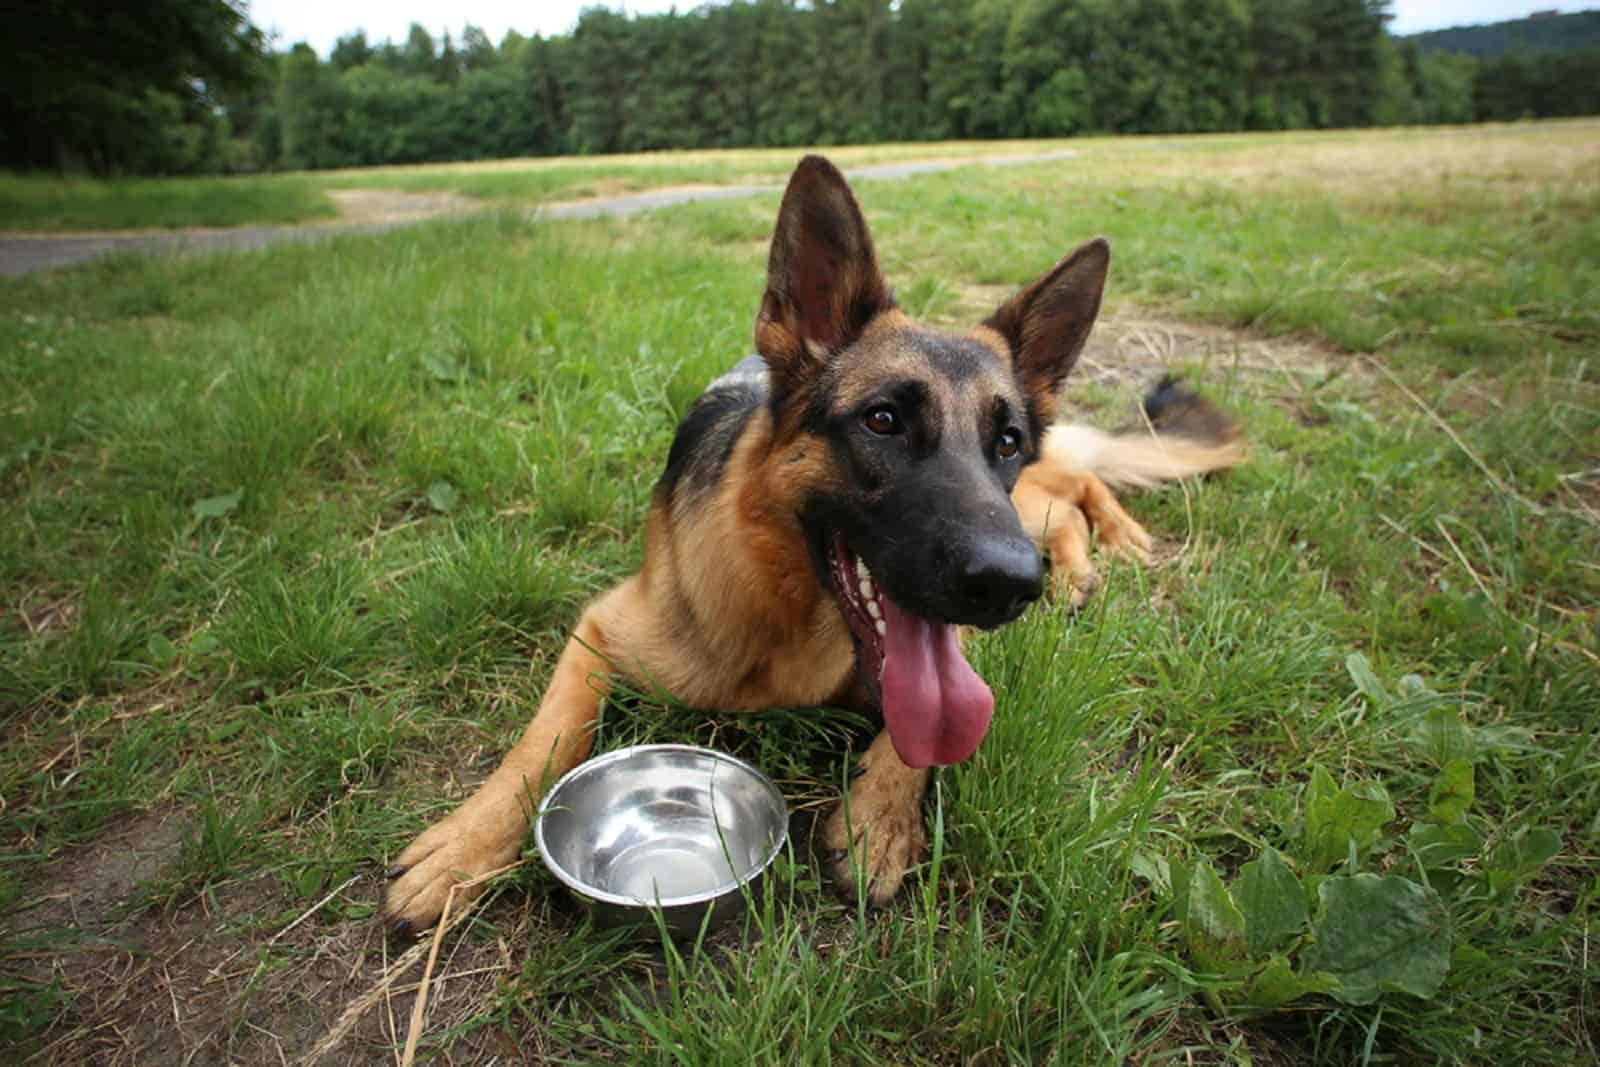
{"type": "Point", "coordinates": [866, 590]}
{"type": "Point", "coordinates": [883, 630]}
{"type": "Point", "coordinates": [873, 609]}
{"type": "Point", "coordinates": [862, 572]}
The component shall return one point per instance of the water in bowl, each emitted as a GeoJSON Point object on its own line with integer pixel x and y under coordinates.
{"type": "Point", "coordinates": [669, 867]}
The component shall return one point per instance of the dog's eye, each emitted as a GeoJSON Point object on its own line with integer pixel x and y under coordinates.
{"type": "Point", "coordinates": [882, 420]}
{"type": "Point", "coordinates": [1010, 444]}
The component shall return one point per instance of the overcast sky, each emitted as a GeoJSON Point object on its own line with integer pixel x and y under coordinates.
{"type": "Point", "coordinates": [321, 22]}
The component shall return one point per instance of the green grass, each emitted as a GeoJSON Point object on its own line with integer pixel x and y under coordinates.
{"type": "Point", "coordinates": [293, 538]}
{"type": "Point", "coordinates": [30, 202]}
{"type": "Point", "coordinates": [44, 203]}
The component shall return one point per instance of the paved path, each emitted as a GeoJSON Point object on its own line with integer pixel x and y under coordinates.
{"type": "Point", "coordinates": [26, 254]}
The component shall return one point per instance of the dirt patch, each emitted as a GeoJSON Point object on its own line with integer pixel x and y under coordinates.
{"type": "Point", "coordinates": [365, 206]}
{"type": "Point", "coordinates": [1133, 346]}
{"type": "Point", "coordinates": [236, 974]}
{"type": "Point", "coordinates": [90, 884]}
{"type": "Point", "coordinates": [608, 189]}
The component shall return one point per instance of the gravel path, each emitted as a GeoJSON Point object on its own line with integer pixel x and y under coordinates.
{"type": "Point", "coordinates": [24, 254]}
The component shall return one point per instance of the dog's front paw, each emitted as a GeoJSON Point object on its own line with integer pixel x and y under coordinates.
{"type": "Point", "coordinates": [472, 841]}
{"type": "Point", "coordinates": [1075, 587]}
{"type": "Point", "coordinates": [875, 838]}
{"type": "Point", "coordinates": [1121, 535]}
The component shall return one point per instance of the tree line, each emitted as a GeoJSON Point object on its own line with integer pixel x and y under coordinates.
{"type": "Point", "coordinates": [783, 72]}
{"type": "Point", "coordinates": [1546, 31]}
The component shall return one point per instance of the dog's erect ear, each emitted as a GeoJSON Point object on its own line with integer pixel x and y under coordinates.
{"type": "Point", "coordinates": [1047, 323]}
{"type": "Point", "coordinates": [823, 284]}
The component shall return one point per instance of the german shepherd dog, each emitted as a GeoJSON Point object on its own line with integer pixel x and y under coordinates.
{"type": "Point", "coordinates": [832, 511]}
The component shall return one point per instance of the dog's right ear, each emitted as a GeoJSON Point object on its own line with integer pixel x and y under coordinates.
{"type": "Point", "coordinates": [1047, 323]}
{"type": "Point", "coordinates": [823, 284]}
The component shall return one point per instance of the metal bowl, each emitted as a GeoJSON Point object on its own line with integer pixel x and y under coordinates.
{"type": "Point", "coordinates": [669, 827]}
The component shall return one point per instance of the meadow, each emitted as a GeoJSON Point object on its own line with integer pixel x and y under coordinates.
{"type": "Point", "coordinates": [37, 203]}
{"type": "Point", "coordinates": [292, 538]}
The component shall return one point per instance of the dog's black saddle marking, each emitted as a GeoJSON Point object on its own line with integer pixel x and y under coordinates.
{"type": "Point", "coordinates": [711, 428]}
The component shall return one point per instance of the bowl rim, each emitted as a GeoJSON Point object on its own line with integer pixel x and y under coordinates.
{"type": "Point", "coordinates": [620, 755]}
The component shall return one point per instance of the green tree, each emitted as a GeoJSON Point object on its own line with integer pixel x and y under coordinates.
{"type": "Point", "coordinates": [96, 86]}
{"type": "Point", "coordinates": [310, 112]}
{"type": "Point", "coordinates": [351, 50]}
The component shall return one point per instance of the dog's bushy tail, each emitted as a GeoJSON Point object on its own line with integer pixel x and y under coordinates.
{"type": "Point", "coordinates": [1183, 435]}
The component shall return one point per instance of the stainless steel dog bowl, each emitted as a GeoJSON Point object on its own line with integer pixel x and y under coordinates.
{"type": "Point", "coordinates": [672, 827]}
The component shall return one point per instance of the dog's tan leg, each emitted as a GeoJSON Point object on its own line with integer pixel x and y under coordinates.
{"type": "Point", "coordinates": [1063, 510]}
{"type": "Point", "coordinates": [1114, 529]}
{"type": "Point", "coordinates": [1060, 529]}
{"type": "Point", "coordinates": [488, 830]}
{"type": "Point", "coordinates": [877, 832]}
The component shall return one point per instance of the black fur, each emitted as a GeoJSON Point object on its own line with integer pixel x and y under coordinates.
{"type": "Point", "coordinates": [1174, 409]}
{"type": "Point", "coordinates": [707, 435]}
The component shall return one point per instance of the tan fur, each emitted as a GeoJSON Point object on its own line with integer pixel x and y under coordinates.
{"type": "Point", "coordinates": [1065, 500]}
{"type": "Point", "coordinates": [877, 833]}
{"type": "Point", "coordinates": [1136, 460]}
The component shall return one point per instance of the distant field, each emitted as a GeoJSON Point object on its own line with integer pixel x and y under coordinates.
{"type": "Point", "coordinates": [45, 204]}
{"type": "Point", "coordinates": [34, 203]}
{"type": "Point", "coordinates": [292, 538]}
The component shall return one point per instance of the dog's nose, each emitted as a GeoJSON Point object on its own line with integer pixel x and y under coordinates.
{"type": "Point", "coordinates": [1000, 578]}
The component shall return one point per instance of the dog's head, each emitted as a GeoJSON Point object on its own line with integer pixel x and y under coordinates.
{"type": "Point", "coordinates": [925, 433]}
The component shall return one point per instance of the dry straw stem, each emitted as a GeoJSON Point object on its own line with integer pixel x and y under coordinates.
{"type": "Point", "coordinates": [1494, 479]}
{"type": "Point", "coordinates": [361, 1005]}
{"type": "Point", "coordinates": [420, 1006]}
{"type": "Point", "coordinates": [340, 888]}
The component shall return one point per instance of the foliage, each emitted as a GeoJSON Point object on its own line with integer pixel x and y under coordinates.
{"type": "Point", "coordinates": [755, 73]}
{"type": "Point", "coordinates": [1527, 84]}
{"type": "Point", "coordinates": [750, 73]}
{"type": "Point", "coordinates": [124, 88]}
{"type": "Point", "coordinates": [1273, 937]}
{"type": "Point", "coordinates": [774, 72]}
{"type": "Point", "coordinates": [1562, 32]}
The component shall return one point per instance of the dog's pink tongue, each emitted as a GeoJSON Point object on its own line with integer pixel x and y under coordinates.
{"type": "Point", "coordinates": [936, 707]}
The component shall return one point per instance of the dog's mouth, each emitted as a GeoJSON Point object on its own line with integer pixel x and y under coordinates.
{"type": "Point", "coordinates": [935, 706]}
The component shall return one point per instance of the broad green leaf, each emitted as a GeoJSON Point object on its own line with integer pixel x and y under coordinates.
{"type": "Point", "coordinates": [1211, 922]}
{"type": "Point", "coordinates": [214, 507]}
{"type": "Point", "coordinates": [1336, 818]}
{"type": "Point", "coordinates": [1440, 846]}
{"type": "Point", "coordinates": [442, 497]}
{"type": "Point", "coordinates": [1441, 736]}
{"type": "Point", "coordinates": [308, 881]}
{"type": "Point", "coordinates": [1272, 902]}
{"type": "Point", "coordinates": [162, 650]}
{"type": "Point", "coordinates": [1522, 857]}
{"type": "Point", "coordinates": [444, 368]}
{"type": "Point", "coordinates": [1452, 792]}
{"type": "Point", "coordinates": [1412, 689]}
{"type": "Point", "coordinates": [1153, 869]}
{"type": "Point", "coordinates": [1360, 670]}
{"type": "Point", "coordinates": [1380, 933]}
{"type": "Point", "coordinates": [1277, 985]}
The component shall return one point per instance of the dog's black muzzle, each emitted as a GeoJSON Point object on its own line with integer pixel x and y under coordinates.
{"type": "Point", "coordinates": [995, 579]}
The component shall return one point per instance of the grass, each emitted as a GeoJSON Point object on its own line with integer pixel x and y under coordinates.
{"type": "Point", "coordinates": [36, 203]}
{"type": "Point", "coordinates": [294, 536]}
{"type": "Point", "coordinates": [42, 203]}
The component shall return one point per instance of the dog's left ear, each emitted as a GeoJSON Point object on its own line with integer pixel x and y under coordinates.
{"type": "Point", "coordinates": [1047, 323]}
{"type": "Point", "coordinates": [823, 283]}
